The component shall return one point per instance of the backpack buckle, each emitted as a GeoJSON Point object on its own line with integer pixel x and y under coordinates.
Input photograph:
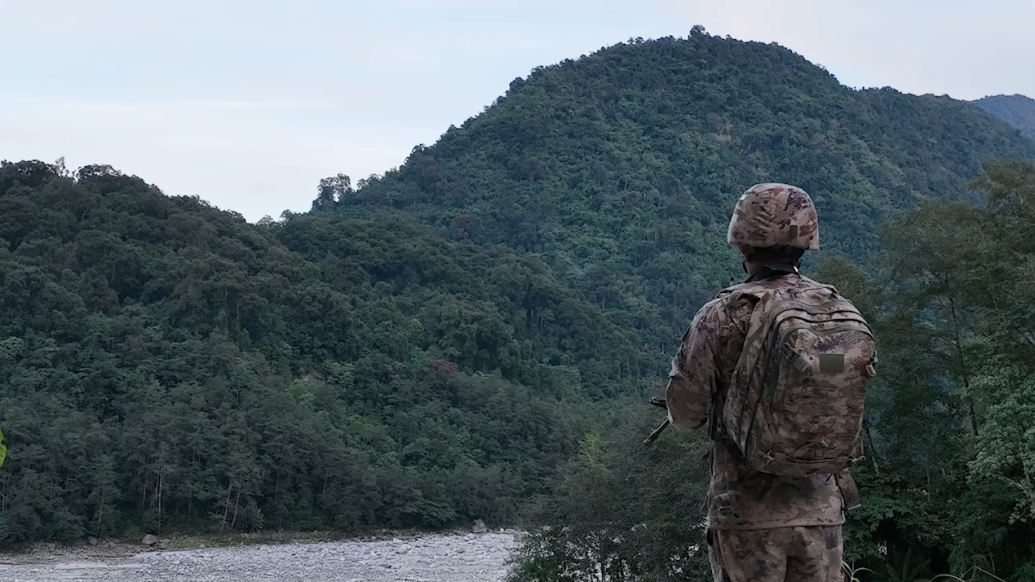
{"type": "Point", "coordinates": [800, 363]}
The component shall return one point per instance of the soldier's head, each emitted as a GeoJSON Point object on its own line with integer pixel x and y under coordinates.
{"type": "Point", "coordinates": [774, 223]}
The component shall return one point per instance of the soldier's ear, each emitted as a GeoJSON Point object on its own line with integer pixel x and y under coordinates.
{"type": "Point", "coordinates": [744, 250]}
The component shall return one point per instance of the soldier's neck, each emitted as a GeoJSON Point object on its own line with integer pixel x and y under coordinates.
{"type": "Point", "coordinates": [763, 269]}
{"type": "Point", "coordinates": [752, 267]}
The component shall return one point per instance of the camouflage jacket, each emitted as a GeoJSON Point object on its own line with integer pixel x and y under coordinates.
{"type": "Point", "coordinates": [739, 497]}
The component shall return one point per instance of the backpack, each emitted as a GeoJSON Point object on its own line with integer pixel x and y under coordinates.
{"type": "Point", "coordinates": [794, 405]}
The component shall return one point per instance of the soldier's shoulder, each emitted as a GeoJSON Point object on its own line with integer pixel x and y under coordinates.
{"type": "Point", "coordinates": [711, 312]}
{"type": "Point", "coordinates": [735, 297]}
{"type": "Point", "coordinates": [786, 282]}
{"type": "Point", "coordinates": [731, 305]}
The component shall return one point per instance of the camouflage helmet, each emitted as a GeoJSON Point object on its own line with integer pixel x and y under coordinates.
{"type": "Point", "coordinates": [772, 215]}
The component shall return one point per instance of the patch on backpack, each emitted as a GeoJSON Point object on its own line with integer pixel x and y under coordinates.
{"type": "Point", "coordinates": [831, 363]}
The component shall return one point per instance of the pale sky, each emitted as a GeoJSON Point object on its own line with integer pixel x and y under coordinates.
{"type": "Point", "coordinates": [248, 103]}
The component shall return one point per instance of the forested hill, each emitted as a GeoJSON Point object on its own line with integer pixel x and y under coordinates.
{"type": "Point", "coordinates": [620, 168]}
{"type": "Point", "coordinates": [1017, 110]}
{"type": "Point", "coordinates": [166, 365]}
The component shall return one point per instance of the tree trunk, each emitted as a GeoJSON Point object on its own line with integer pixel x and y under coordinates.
{"type": "Point", "coordinates": [226, 506]}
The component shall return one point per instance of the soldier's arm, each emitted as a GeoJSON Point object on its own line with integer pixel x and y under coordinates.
{"type": "Point", "coordinates": [692, 380]}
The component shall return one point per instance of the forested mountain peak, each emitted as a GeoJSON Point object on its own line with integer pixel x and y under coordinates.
{"type": "Point", "coordinates": [620, 168]}
{"type": "Point", "coordinates": [1017, 110]}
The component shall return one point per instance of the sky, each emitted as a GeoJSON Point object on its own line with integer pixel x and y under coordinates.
{"type": "Point", "coordinates": [248, 104]}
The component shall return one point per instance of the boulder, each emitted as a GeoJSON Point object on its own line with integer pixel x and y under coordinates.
{"type": "Point", "coordinates": [92, 541]}
{"type": "Point", "coordinates": [149, 540]}
{"type": "Point", "coordinates": [479, 527]}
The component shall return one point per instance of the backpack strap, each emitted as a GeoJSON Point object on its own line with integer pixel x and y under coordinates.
{"type": "Point", "coordinates": [731, 297]}
{"type": "Point", "coordinates": [849, 491]}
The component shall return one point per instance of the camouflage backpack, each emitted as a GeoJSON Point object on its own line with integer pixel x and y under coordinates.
{"type": "Point", "coordinates": [795, 401]}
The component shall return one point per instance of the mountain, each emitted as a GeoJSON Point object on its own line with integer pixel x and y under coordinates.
{"type": "Point", "coordinates": [1017, 110]}
{"type": "Point", "coordinates": [620, 169]}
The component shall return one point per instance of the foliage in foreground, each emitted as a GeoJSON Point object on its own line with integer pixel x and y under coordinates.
{"type": "Point", "coordinates": [623, 512]}
{"type": "Point", "coordinates": [949, 481]}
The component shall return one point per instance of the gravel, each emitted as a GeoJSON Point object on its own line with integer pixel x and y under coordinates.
{"type": "Point", "coordinates": [440, 558]}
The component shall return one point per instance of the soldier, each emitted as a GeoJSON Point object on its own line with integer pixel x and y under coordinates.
{"type": "Point", "coordinates": [765, 526]}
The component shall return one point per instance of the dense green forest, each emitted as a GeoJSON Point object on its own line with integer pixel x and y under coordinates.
{"type": "Point", "coordinates": [165, 364]}
{"type": "Point", "coordinates": [1017, 110]}
{"type": "Point", "coordinates": [471, 334]}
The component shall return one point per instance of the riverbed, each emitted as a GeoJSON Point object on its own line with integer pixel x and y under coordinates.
{"type": "Point", "coordinates": [433, 558]}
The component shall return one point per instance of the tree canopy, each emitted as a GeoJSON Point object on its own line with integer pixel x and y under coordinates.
{"type": "Point", "coordinates": [620, 168]}
{"type": "Point", "coordinates": [164, 363]}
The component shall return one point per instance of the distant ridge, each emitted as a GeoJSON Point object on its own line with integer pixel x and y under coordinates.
{"type": "Point", "coordinates": [1017, 110]}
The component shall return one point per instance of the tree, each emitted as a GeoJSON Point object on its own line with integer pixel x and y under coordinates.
{"type": "Point", "coordinates": [331, 191]}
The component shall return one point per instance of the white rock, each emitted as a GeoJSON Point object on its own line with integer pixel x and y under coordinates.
{"type": "Point", "coordinates": [433, 558]}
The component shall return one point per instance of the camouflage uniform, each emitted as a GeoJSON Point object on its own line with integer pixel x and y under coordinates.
{"type": "Point", "coordinates": [798, 554]}
{"type": "Point", "coordinates": [761, 527]}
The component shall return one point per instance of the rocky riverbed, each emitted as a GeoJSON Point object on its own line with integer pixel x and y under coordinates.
{"type": "Point", "coordinates": [438, 558]}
